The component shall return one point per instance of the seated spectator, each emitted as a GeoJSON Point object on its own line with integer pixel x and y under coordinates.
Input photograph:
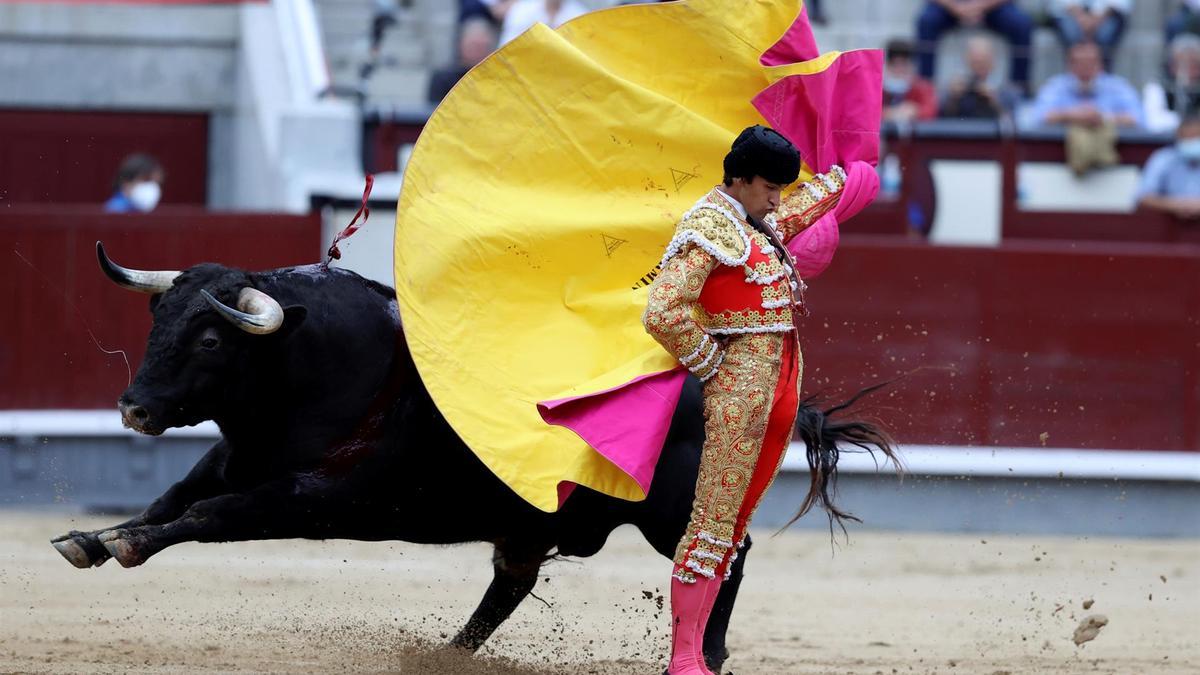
{"type": "Point", "coordinates": [137, 186]}
{"type": "Point", "coordinates": [1183, 74]}
{"type": "Point", "coordinates": [492, 11]}
{"type": "Point", "coordinates": [976, 95]}
{"type": "Point", "coordinates": [1186, 19]}
{"type": "Point", "coordinates": [816, 13]}
{"type": "Point", "coordinates": [1086, 95]}
{"type": "Point", "coordinates": [1177, 95]}
{"type": "Point", "coordinates": [906, 97]}
{"type": "Point", "coordinates": [1171, 178]}
{"type": "Point", "coordinates": [1092, 104]}
{"type": "Point", "coordinates": [477, 39]}
{"type": "Point", "coordinates": [1001, 16]}
{"type": "Point", "coordinates": [524, 13]}
{"type": "Point", "coordinates": [1099, 21]}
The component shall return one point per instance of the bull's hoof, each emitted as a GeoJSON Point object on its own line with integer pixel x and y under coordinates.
{"type": "Point", "coordinates": [73, 552]}
{"type": "Point", "coordinates": [121, 548]}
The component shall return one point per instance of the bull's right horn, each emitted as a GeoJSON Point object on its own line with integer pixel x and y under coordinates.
{"type": "Point", "coordinates": [135, 280]}
{"type": "Point", "coordinates": [256, 312]}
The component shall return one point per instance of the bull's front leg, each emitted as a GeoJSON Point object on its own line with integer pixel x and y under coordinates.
{"type": "Point", "coordinates": [206, 479]}
{"type": "Point", "coordinates": [283, 509]}
{"type": "Point", "coordinates": [515, 567]}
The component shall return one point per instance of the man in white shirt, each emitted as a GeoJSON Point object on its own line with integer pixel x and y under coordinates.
{"type": "Point", "coordinates": [524, 13]}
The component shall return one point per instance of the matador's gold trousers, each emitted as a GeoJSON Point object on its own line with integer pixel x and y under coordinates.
{"type": "Point", "coordinates": [749, 411]}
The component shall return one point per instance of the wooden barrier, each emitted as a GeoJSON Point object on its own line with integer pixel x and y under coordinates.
{"type": "Point", "coordinates": [63, 315]}
{"type": "Point", "coordinates": [1030, 344]}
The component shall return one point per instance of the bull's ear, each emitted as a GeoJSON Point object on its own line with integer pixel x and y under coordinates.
{"type": "Point", "coordinates": [154, 301]}
{"type": "Point", "coordinates": [293, 317]}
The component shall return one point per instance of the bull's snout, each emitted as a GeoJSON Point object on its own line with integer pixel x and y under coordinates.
{"type": "Point", "coordinates": [134, 416]}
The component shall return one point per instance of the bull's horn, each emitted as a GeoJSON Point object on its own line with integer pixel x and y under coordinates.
{"type": "Point", "coordinates": [257, 312]}
{"type": "Point", "coordinates": [135, 280]}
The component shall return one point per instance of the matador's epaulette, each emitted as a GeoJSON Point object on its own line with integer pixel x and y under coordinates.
{"type": "Point", "coordinates": [714, 229]}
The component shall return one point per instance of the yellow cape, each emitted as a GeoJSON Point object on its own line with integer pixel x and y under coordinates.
{"type": "Point", "coordinates": [541, 192]}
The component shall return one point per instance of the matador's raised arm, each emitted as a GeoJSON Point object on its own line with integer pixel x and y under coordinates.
{"type": "Point", "coordinates": [809, 201]}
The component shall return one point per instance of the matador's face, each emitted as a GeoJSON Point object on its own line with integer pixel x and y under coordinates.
{"type": "Point", "coordinates": [759, 196]}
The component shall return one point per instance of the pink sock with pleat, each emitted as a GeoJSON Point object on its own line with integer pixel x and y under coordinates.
{"type": "Point", "coordinates": [691, 605]}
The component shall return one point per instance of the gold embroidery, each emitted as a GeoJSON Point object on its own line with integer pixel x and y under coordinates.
{"type": "Point", "coordinates": [778, 319]}
{"type": "Point", "coordinates": [716, 230]}
{"type": "Point", "coordinates": [668, 316]}
{"type": "Point", "coordinates": [737, 405]}
{"type": "Point", "coordinates": [808, 202]}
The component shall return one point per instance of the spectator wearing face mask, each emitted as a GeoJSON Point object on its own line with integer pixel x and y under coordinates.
{"type": "Point", "coordinates": [1171, 178]}
{"type": "Point", "coordinates": [906, 96]}
{"type": "Point", "coordinates": [137, 187]}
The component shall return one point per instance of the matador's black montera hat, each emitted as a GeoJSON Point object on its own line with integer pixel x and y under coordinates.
{"type": "Point", "coordinates": [762, 151]}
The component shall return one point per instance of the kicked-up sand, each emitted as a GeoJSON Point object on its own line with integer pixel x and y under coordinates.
{"type": "Point", "coordinates": [885, 603]}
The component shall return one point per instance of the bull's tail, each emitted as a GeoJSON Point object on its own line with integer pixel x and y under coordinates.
{"type": "Point", "coordinates": [825, 438]}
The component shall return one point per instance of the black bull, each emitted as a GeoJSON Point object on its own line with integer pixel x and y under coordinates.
{"type": "Point", "coordinates": [328, 433]}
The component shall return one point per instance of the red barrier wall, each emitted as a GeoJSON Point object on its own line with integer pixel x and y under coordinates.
{"type": "Point", "coordinates": [71, 157]}
{"type": "Point", "coordinates": [57, 299]}
{"type": "Point", "coordinates": [1058, 344]}
{"type": "Point", "coordinates": [1038, 343]}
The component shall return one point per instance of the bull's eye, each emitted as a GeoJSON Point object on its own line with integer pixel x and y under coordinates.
{"type": "Point", "coordinates": [209, 343]}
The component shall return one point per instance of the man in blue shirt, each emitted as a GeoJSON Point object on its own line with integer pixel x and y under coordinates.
{"type": "Point", "coordinates": [1171, 178]}
{"type": "Point", "coordinates": [1086, 95]}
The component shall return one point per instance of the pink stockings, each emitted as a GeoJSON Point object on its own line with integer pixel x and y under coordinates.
{"type": "Point", "coordinates": [691, 604]}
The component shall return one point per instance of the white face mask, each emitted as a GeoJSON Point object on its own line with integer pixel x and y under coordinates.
{"type": "Point", "coordinates": [145, 195]}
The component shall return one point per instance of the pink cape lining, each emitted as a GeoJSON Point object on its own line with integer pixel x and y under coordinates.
{"type": "Point", "coordinates": [628, 424]}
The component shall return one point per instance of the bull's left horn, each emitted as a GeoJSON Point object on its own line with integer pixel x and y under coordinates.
{"type": "Point", "coordinates": [135, 280]}
{"type": "Point", "coordinates": [256, 312]}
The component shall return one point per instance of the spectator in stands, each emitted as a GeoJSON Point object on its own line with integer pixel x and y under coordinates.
{"type": "Point", "coordinates": [907, 97]}
{"type": "Point", "coordinates": [1186, 19]}
{"type": "Point", "coordinates": [1092, 104]}
{"type": "Point", "coordinates": [476, 39]}
{"type": "Point", "coordinates": [524, 13]}
{"type": "Point", "coordinates": [1178, 94]}
{"type": "Point", "coordinates": [1001, 16]}
{"type": "Point", "coordinates": [1086, 95]}
{"type": "Point", "coordinates": [1171, 178]}
{"type": "Point", "coordinates": [1099, 21]}
{"type": "Point", "coordinates": [493, 11]}
{"type": "Point", "coordinates": [977, 95]}
{"type": "Point", "coordinates": [1183, 74]}
{"type": "Point", "coordinates": [137, 187]}
{"type": "Point", "coordinates": [816, 13]}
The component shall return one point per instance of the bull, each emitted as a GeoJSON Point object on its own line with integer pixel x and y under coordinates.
{"type": "Point", "coordinates": [327, 432]}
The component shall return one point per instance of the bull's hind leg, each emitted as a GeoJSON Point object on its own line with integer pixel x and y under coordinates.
{"type": "Point", "coordinates": [515, 572]}
{"type": "Point", "coordinates": [84, 549]}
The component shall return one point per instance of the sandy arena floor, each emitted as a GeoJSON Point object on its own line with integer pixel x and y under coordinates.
{"type": "Point", "coordinates": [887, 603]}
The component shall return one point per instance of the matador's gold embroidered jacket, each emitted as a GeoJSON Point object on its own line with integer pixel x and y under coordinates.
{"type": "Point", "coordinates": [720, 276]}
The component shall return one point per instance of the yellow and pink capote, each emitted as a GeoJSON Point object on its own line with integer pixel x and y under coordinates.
{"type": "Point", "coordinates": [542, 192]}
